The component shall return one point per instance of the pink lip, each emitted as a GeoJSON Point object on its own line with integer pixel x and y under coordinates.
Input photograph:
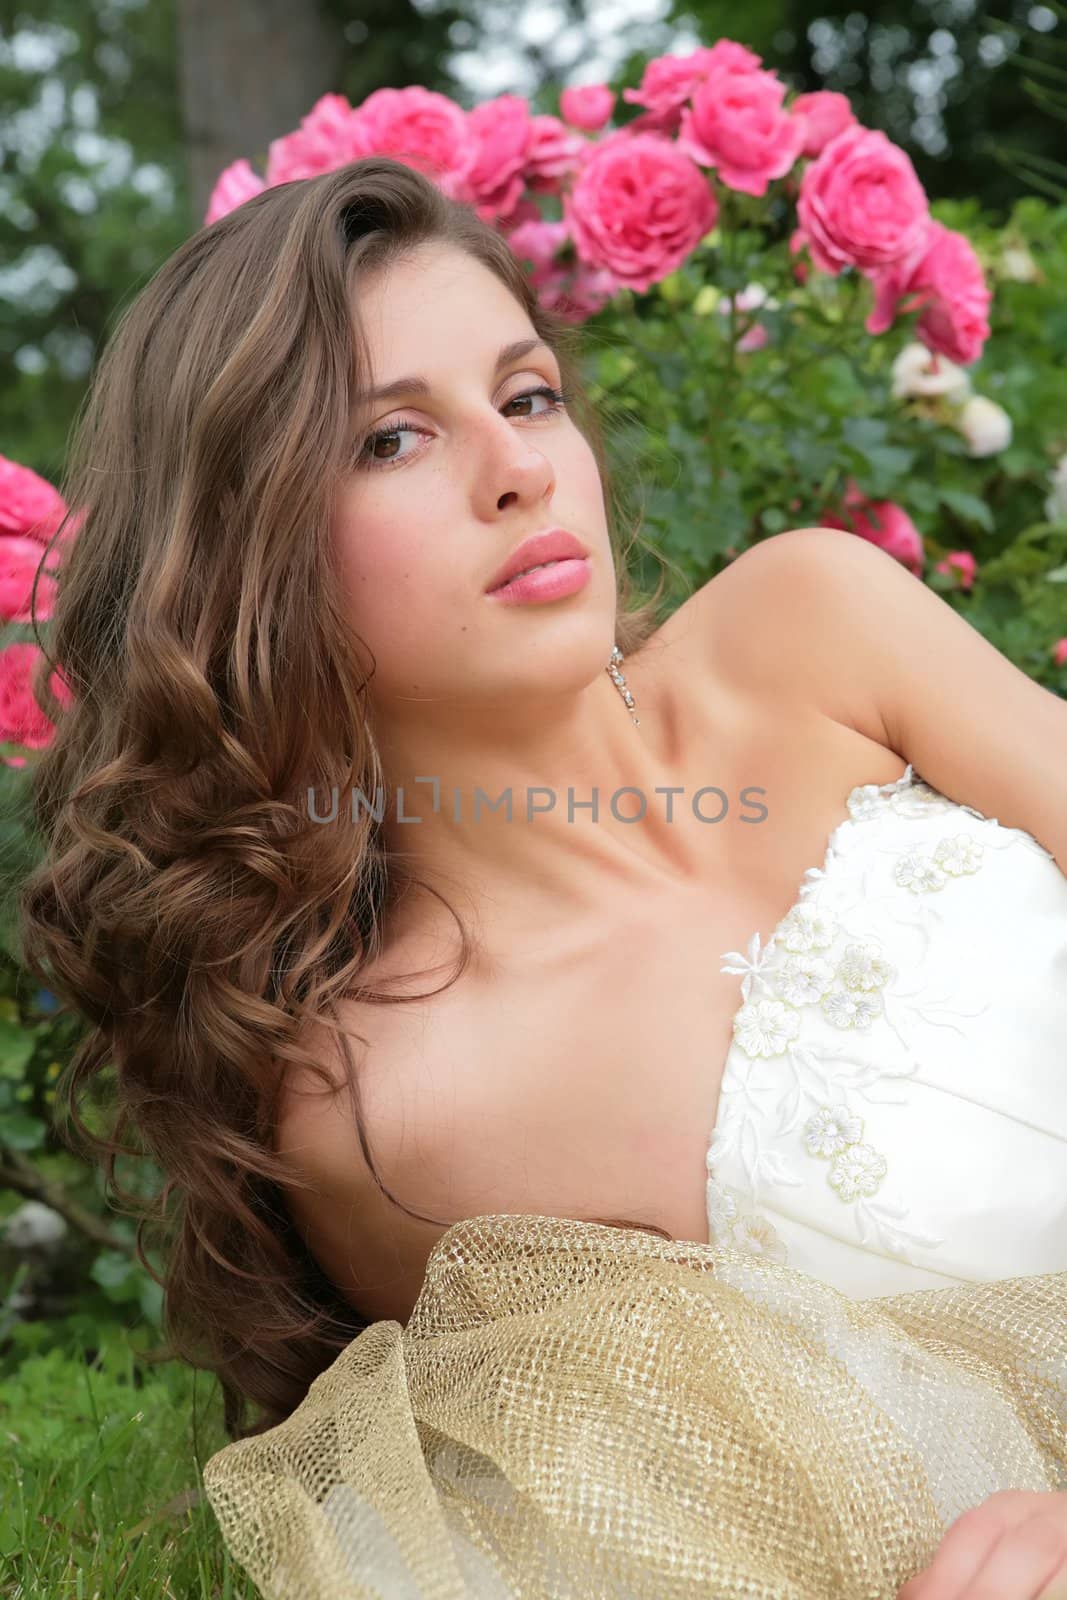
{"type": "Point", "coordinates": [555, 544]}
{"type": "Point", "coordinates": [551, 583]}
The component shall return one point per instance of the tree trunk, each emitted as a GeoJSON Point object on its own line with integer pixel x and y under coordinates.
{"type": "Point", "coordinates": [248, 70]}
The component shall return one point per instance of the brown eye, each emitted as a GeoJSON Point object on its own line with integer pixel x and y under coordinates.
{"type": "Point", "coordinates": [365, 456]}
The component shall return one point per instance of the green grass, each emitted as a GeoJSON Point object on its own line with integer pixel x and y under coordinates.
{"type": "Point", "coordinates": [101, 1492]}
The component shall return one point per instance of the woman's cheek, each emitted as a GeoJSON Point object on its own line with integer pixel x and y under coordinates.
{"type": "Point", "coordinates": [401, 605]}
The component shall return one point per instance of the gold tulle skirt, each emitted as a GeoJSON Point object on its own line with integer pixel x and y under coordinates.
{"type": "Point", "coordinates": [575, 1410]}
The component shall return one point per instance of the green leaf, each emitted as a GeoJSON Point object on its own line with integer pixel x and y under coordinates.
{"type": "Point", "coordinates": [114, 1272]}
{"type": "Point", "coordinates": [16, 1047]}
{"type": "Point", "coordinates": [890, 460]}
{"type": "Point", "coordinates": [863, 432]}
{"type": "Point", "coordinates": [774, 519]}
{"type": "Point", "coordinates": [151, 1300]}
{"type": "Point", "coordinates": [967, 505]}
{"type": "Point", "coordinates": [20, 1131]}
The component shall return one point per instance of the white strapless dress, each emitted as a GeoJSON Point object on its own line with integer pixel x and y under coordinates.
{"type": "Point", "coordinates": [893, 1113]}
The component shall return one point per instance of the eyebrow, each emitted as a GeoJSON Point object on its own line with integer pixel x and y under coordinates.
{"type": "Point", "coordinates": [415, 385]}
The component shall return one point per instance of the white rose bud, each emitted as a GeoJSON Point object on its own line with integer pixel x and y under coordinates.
{"type": "Point", "coordinates": [914, 373]}
{"type": "Point", "coordinates": [985, 426]}
{"type": "Point", "coordinates": [752, 296]}
{"type": "Point", "coordinates": [34, 1226]}
{"type": "Point", "coordinates": [1056, 504]}
{"type": "Point", "coordinates": [1018, 265]}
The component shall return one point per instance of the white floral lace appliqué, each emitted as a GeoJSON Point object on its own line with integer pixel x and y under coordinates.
{"type": "Point", "coordinates": [812, 960]}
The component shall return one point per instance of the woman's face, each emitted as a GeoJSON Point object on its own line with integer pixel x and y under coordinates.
{"type": "Point", "coordinates": [462, 473]}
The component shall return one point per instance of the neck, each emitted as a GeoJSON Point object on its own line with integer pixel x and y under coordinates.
{"type": "Point", "coordinates": [448, 778]}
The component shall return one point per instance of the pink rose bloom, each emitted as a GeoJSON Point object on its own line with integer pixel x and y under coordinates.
{"type": "Point", "coordinates": [639, 208]}
{"type": "Point", "coordinates": [537, 242]}
{"type": "Point", "coordinates": [554, 156]}
{"type": "Point", "coordinates": [884, 523]}
{"type": "Point", "coordinates": [423, 129]}
{"type": "Point", "coordinates": [861, 203]}
{"type": "Point", "coordinates": [74, 522]}
{"type": "Point", "coordinates": [502, 130]}
{"type": "Point", "coordinates": [21, 719]}
{"type": "Point", "coordinates": [28, 504]}
{"type": "Point", "coordinates": [19, 560]}
{"type": "Point", "coordinates": [943, 279]}
{"type": "Point", "coordinates": [234, 185]}
{"type": "Point", "coordinates": [329, 136]}
{"type": "Point", "coordinates": [736, 125]}
{"type": "Point", "coordinates": [578, 294]}
{"type": "Point", "coordinates": [754, 339]}
{"type": "Point", "coordinates": [575, 291]}
{"type": "Point", "coordinates": [527, 210]}
{"type": "Point", "coordinates": [961, 562]}
{"type": "Point", "coordinates": [826, 114]}
{"type": "Point", "coordinates": [1059, 652]}
{"type": "Point", "coordinates": [587, 106]}
{"type": "Point", "coordinates": [669, 80]}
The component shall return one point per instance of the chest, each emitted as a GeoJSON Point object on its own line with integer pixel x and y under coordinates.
{"type": "Point", "coordinates": [583, 1080]}
{"type": "Point", "coordinates": [616, 1043]}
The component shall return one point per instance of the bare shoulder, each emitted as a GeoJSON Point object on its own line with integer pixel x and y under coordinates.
{"type": "Point", "coordinates": [771, 624]}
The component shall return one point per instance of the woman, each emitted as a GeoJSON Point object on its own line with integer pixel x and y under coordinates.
{"type": "Point", "coordinates": [289, 582]}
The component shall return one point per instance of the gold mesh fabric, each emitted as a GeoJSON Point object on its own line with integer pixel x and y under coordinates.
{"type": "Point", "coordinates": [576, 1410]}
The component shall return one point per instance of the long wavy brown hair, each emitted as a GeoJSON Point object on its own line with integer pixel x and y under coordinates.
{"type": "Point", "coordinates": [187, 907]}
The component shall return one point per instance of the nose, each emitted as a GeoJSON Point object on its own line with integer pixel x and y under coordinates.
{"type": "Point", "coordinates": [526, 473]}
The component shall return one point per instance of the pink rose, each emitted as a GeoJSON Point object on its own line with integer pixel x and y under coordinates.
{"type": "Point", "coordinates": [425, 130]}
{"type": "Point", "coordinates": [587, 106]}
{"type": "Point", "coordinates": [329, 136]}
{"type": "Point", "coordinates": [826, 114]}
{"type": "Point", "coordinates": [639, 208]}
{"type": "Point", "coordinates": [21, 719]}
{"type": "Point", "coordinates": [578, 294]}
{"type": "Point", "coordinates": [944, 280]}
{"type": "Point", "coordinates": [883, 523]}
{"type": "Point", "coordinates": [736, 124]}
{"type": "Point", "coordinates": [574, 291]}
{"type": "Point", "coordinates": [527, 210]}
{"type": "Point", "coordinates": [537, 242]}
{"type": "Point", "coordinates": [555, 154]}
{"type": "Point", "coordinates": [234, 185]}
{"type": "Point", "coordinates": [860, 203]}
{"type": "Point", "coordinates": [1059, 652]}
{"type": "Point", "coordinates": [28, 504]}
{"type": "Point", "coordinates": [19, 560]}
{"type": "Point", "coordinates": [502, 131]}
{"type": "Point", "coordinates": [961, 562]}
{"type": "Point", "coordinates": [669, 80]}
